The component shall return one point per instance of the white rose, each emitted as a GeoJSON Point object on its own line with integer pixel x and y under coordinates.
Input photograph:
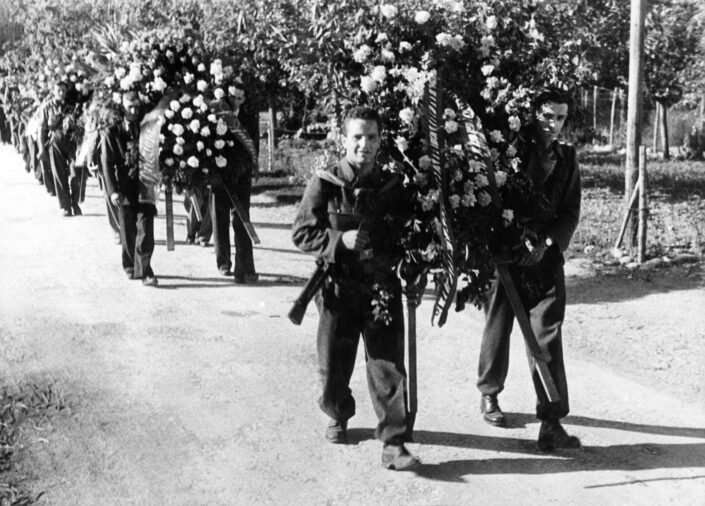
{"type": "Point", "coordinates": [404, 46]}
{"type": "Point", "coordinates": [201, 67]}
{"type": "Point", "coordinates": [449, 113]}
{"type": "Point", "coordinates": [482, 181]}
{"type": "Point", "coordinates": [187, 113]}
{"type": "Point", "coordinates": [451, 126]}
{"type": "Point", "coordinates": [220, 161]}
{"type": "Point", "coordinates": [454, 201]}
{"type": "Point", "coordinates": [169, 162]}
{"type": "Point", "coordinates": [188, 78]}
{"type": "Point", "coordinates": [420, 179]}
{"type": "Point", "coordinates": [218, 93]}
{"type": "Point", "coordinates": [204, 107]}
{"type": "Point", "coordinates": [216, 67]}
{"type": "Point", "coordinates": [487, 69]}
{"type": "Point", "coordinates": [120, 72]}
{"type": "Point", "coordinates": [388, 10]}
{"type": "Point", "coordinates": [362, 53]}
{"type": "Point", "coordinates": [484, 198]}
{"type": "Point", "coordinates": [182, 164]}
{"type": "Point", "coordinates": [491, 23]}
{"type": "Point", "coordinates": [221, 128]}
{"type": "Point", "coordinates": [126, 83]}
{"type": "Point", "coordinates": [232, 90]}
{"type": "Point", "coordinates": [387, 55]}
{"type": "Point", "coordinates": [185, 98]}
{"type": "Point", "coordinates": [201, 85]}
{"type": "Point", "coordinates": [205, 131]}
{"type": "Point", "coordinates": [198, 101]}
{"type": "Point", "coordinates": [209, 152]}
{"type": "Point", "coordinates": [195, 126]}
{"type": "Point", "coordinates": [180, 141]}
{"type": "Point", "coordinates": [193, 162]}
{"type": "Point", "coordinates": [407, 115]}
{"type": "Point", "coordinates": [219, 144]}
{"type": "Point", "coordinates": [468, 200]}
{"type": "Point", "coordinates": [178, 129]}
{"type": "Point", "coordinates": [508, 215]}
{"type": "Point", "coordinates": [401, 143]}
{"type": "Point", "coordinates": [212, 118]}
{"type": "Point", "coordinates": [204, 170]}
{"type": "Point", "coordinates": [367, 84]}
{"type": "Point", "coordinates": [381, 37]}
{"type": "Point", "coordinates": [379, 73]}
{"type": "Point", "coordinates": [422, 17]}
{"type": "Point", "coordinates": [425, 162]}
{"type": "Point", "coordinates": [511, 151]}
{"type": "Point", "coordinates": [200, 146]}
{"type": "Point", "coordinates": [514, 123]}
{"type": "Point", "coordinates": [174, 105]}
{"type": "Point", "coordinates": [169, 113]}
{"type": "Point", "coordinates": [444, 39]}
{"type": "Point", "coordinates": [178, 150]}
{"type": "Point", "coordinates": [496, 136]}
{"type": "Point", "coordinates": [117, 98]}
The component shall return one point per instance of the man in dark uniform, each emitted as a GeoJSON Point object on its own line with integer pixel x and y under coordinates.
{"type": "Point", "coordinates": [57, 149]}
{"type": "Point", "coordinates": [350, 219]}
{"type": "Point", "coordinates": [242, 165]}
{"type": "Point", "coordinates": [119, 150]}
{"type": "Point", "coordinates": [538, 276]}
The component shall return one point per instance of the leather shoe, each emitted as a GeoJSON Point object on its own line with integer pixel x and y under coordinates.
{"type": "Point", "coordinates": [552, 436]}
{"type": "Point", "coordinates": [337, 432]}
{"type": "Point", "coordinates": [492, 414]}
{"type": "Point", "coordinates": [398, 458]}
{"type": "Point", "coordinates": [225, 270]}
{"type": "Point", "coordinates": [65, 213]}
{"type": "Point", "coordinates": [150, 281]}
{"type": "Point", "coordinates": [76, 210]}
{"type": "Point", "coordinates": [130, 274]}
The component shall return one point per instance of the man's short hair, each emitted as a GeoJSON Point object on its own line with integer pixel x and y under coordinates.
{"type": "Point", "coordinates": [555, 95]}
{"type": "Point", "coordinates": [364, 113]}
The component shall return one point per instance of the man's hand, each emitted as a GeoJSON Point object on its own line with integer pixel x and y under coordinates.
{"type": "Point", "coordinates": [356, 240]}
{"type": "Point", "coordinates": [116, 198]}
{"type": "Point", "coordinates": [533, 255]}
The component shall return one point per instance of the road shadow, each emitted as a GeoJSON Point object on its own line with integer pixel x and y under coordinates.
{"type": "Point", "coordinates": [630, 285]}
{"type": "Point", "coordinates": [193, 282]}
{"type": "Point", "coordinates": [162, 242]}
{"type": "Point", "coordinates": [620, 457]}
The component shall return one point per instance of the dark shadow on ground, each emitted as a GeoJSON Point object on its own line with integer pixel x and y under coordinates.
{"type": "Point", "coordinates": [629, 285]}
{"type": "Point", "coordinates": [162, 242]}
{"type": "Point", "coordinates": [283, 250]}
{"type": "Point", "coordinates": [622, 457]}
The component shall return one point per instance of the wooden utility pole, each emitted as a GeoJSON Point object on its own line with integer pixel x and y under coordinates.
{"type": "Point", "coordinates": [657, 125]}
{"type": "Point", "coordinates": [643, 206]}
{"type": "Point", "coordinates": [636, 61]}
{"type": "Point", "coordinates": [594, 109]}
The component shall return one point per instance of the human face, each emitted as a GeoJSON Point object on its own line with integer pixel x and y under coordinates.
{"type": "Point", "coordinates": [362, 142]}
{"type": "Point", "coordinates": [550, 120]}
{"type": "Point", "coordinates": [59, 93]}
{"type": "Point", "coordinates": [131, 106]}
{"type": "Point", "coordinates": [238, 98]}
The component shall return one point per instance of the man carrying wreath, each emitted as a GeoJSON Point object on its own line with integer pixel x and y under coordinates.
{"type": "Point", "coordinates": [538, 275]}
{"type": "Point", "coordinates": [348, 218]}
{"type": "Point", "coordinates": [119, 150]}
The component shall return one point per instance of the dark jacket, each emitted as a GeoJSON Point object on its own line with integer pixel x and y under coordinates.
{"type": "Point", "coordinates": [117, 142]}
{"type": "Point", "coordinates": [329, 209]}
{"type": "Point", "coordinates": [556, 175]}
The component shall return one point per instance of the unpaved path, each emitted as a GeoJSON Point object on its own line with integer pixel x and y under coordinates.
{"type": "Point", "coordinates": [201, 392]}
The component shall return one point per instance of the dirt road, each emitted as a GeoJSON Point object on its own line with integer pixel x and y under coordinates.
{"type": "Point", "coordinates": [201, 392]}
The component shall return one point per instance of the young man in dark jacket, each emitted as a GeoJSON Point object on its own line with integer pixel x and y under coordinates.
{"type": "Point", "coordinates": [349, 219]}
{"type": "Point", "coordinates": [538, 276]}
{"type": "Point", "coordinates": [119, 147]}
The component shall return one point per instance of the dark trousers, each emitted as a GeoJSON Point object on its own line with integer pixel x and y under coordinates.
{"type": "Point", "coordinates": [339, 329]}
{"type": "Point", "coordinates": [34, 165]}
{"type": "Point", "coordinates": [137, 234]}
{"type": "Point", "coordinates": [110, 208]}
{"type": "Point", "coordinates": [67, 180]}
{"type": "Point", "coordinates": [196, 229]}
{"type": "Point", "coordinates": [546, 316]}
{"type": "Point", "coordinates": [47, 173]}
{"type": "Point", "coordinates": [222, 214]}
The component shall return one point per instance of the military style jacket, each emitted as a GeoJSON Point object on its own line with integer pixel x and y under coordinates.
{"type": "Point", "coordinates": [336, 201]}
{"type": "Point", "coordinates": [555, 174]}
